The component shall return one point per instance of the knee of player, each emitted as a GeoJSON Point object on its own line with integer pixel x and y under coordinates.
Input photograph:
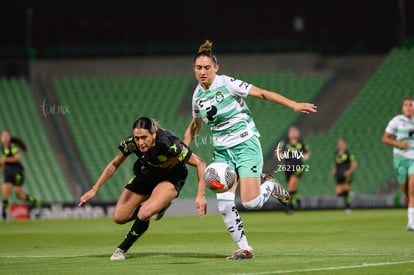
{"type": "Point", "coordinates": [119, 218]}
{"type": "Point", "coordinates": [255, 203]}
{"type": "Point", "coordinates": [145, 213]}
{"type": "Point", "coordinates": [21, 196]}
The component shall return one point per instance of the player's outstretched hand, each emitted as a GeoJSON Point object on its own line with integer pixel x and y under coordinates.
{"type": "Point", "coordinates": [201, 205]}
{"type": "Point", "coordinates": [305, 108]}
{"type": "Point", "coordinates": [87, 196]}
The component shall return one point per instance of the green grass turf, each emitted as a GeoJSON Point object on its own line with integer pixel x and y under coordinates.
{"type": "Point", "coordinates": [311, 242]}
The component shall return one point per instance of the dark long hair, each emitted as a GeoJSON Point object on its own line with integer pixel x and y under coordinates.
{"type": "Point", "coordinates": [19, 142]}
{"type": "Point", "coordinates": [145, 123]}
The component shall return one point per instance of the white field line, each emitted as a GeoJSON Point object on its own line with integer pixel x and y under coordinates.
{"type": "Point", "coordinates": [328, 268]}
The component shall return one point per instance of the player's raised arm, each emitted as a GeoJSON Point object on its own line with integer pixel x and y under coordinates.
{"type": "Point", "coordinates": [299, 107]}
{"type": "Point", "coordinates": [109, 170]}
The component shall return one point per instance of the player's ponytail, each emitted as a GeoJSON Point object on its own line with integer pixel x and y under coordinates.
{"type": "Point", "coordinates": [19, 142]}
{"type": "Point", "coordinates": [206, 49]}
{"type": "Point", "coordinates": [145, 123]}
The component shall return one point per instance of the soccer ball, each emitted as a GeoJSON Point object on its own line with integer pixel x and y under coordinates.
{"type": "Point", "coordinates": [219, 177]}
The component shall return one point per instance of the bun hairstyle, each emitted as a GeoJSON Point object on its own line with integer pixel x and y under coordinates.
{"type": "Point", "coordinates": [145, 123]}
{"type": "Point", "coordinates": [206, 49]}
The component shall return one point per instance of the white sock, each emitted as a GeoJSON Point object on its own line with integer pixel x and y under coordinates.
{"type": "Point", "coordinates": [232, 219]}
{"type": "Point", "coordinates": [411, 215]}
{"type": "Point", "coordinates": [266, 190]}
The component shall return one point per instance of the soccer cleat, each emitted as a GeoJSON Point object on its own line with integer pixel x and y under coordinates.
{"type": "Point", "coordinates": [159, 215]}
{"type": "Point", "coordinates": [410, 227]}
{"type": "Point", "coordinates": [119, 255]}
{"type": "Point", "coordinates": [279, 192]}
{"type": "Point", "coordinates": [241, 254]}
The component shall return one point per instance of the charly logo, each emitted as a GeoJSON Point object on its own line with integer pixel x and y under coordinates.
{"type": "Point", "coordinates": [219, 96]}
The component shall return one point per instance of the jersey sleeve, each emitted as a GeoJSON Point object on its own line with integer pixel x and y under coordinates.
{"type": "Point", "coordinates": [179, 150]}
{"type": "Point", "coordinates": [238, 87]}
{"type": "Point", "coordinates": [14, 149]}
{"type": "Point", "coordinates": [306, 147]}
{"type": "Point", "coordinates": [392, 126]}
{"type": "Point", "coordinates": [128, 146]}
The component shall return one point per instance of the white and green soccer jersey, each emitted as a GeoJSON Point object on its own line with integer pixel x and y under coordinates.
{"type": "Point", "coordinates": [402, 129]}
{"type": "Point", "coordinates": [223, 108]}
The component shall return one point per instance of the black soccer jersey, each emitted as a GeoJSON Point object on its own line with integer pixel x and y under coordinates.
{"type": "Point", "coordinates": [10, 151]}
{"type": "Point", "coordinates": [167, 145]}
{"type": "Point", "coordinates": [343, 161]}
{"type": "Point", "coordinates": [293, 153]}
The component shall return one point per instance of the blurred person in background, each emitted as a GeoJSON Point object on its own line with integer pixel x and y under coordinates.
{"type": "Point", "coordinates": [399, 134]}
{"type": "Point", "coordinates": [343, 170]}
{"type": "Point", "coordinates": [293, 150]}
{"type": "Point", "coordinates": [13, 170]}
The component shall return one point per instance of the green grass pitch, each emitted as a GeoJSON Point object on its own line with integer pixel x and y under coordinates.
{"type": "Point", "coordinates": [311, 242]}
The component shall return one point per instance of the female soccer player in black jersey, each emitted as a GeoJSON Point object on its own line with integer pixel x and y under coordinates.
{"type": "Point", "coordinates": [294, 151]}
{"type": "Point", "coordinates": [13, 171]}
{"type": "Point", "coordinates": [155, 182]}
{"type": "Point", "coordinates": [343, 170]}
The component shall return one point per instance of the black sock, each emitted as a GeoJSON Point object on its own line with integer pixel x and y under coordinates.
{"type": "Point", "coordinates": [293, 199]}
{"type": "Point", "coordinates": [30, 199]}
{"type": "Point", "coordinates": [345, 195]}
{"type": "Point", "coordinates": [5, 209]}
{"type": "Point", "coordinates": [137, 229]}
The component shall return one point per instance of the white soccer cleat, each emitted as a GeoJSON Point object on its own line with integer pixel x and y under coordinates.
{"type": "Point", "coordinates": [119, 255]}
{"type": "Point", "coordinates": [279, 192]}
{"type": "Point", "coordinates": [241, 254]}
{"type": "Point", "coordinates": [410, 227]}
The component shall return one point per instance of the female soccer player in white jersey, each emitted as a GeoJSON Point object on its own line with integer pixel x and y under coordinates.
{"type": "Point", "coordinates": [219, 101]}
{"type": "Point", "coordinates": [400, 134]}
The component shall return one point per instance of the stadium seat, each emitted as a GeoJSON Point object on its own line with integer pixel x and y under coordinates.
{"type": "Point", "coordinates": [21, 116]}
{"type": "Point", "coordinates": [363, 124]}
{"type": "Point", "coordinates": [102, 110]}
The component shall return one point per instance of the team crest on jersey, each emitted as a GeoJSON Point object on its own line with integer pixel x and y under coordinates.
{"type": "Point", "coordinates": [219, 96]}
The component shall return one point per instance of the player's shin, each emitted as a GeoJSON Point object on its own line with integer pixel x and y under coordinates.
{"type": "Point", "coordinates": [5, 209]}
{"type": "Point", "coordinates": [232, 219]}
{"type": "Point", "coordinates": [33, 201]}
{"type": "Point", "coordinates": [266, 189]}
{"type": "Point", "coordinates": [411, 216]}
{"type": "Point", "coordinates": [347, 199]}
{"type": "Point", "coordinates": [137, 230]}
